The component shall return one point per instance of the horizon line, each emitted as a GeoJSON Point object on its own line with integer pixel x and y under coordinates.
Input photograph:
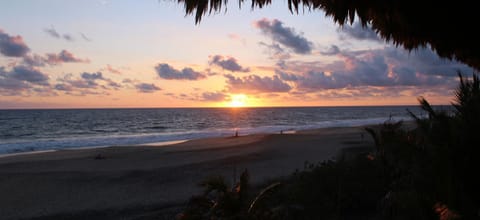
{"type": "Point", "coordinates": [215, 107]}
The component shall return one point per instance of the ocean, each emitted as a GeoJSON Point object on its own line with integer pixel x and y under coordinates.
{"type": "Point", "coordinates": [38, 130]}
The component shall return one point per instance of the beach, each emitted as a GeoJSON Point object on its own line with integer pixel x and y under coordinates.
{"type": "Point", "coordinates": [135, 182]}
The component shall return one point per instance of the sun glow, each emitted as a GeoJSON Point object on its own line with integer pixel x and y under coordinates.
{"type": "Point", "coordinates": [237, 100]}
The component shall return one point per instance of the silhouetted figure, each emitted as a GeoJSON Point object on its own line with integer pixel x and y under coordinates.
{"type": "Point", "coordinates": [236, 133]}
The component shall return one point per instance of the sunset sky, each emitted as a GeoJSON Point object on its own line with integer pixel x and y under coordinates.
{"type": "Point", "coordinates": [125, 53]}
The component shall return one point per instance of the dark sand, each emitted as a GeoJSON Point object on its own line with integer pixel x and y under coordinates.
{"type": "Point", "coordinates": [138, 182]}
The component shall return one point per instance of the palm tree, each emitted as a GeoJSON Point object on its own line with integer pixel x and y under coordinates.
{"type": "Point", "coordinates": [447, 27]}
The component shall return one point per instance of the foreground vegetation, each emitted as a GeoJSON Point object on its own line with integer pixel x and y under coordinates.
{"type": "Point", "coordinates": [428, 172]}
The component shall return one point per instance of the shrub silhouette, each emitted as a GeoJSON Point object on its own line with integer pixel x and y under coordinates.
{"type": "Point", "coordinates": [428, 172]}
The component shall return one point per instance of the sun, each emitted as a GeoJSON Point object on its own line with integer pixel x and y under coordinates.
{"type": "Point", "coordinates": [237, 100]}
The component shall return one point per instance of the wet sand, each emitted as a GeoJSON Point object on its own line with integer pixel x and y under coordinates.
{"type": "Point", "coordinates": [130, 181]}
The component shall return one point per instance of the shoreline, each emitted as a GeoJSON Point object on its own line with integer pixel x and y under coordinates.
{"type": "Point", "coordinates": [154, 144]}
{"type": "Point", "coordinates": [108, 140]}
{"type": "Point", "coordinates": [243, 132]}
{"type": "Point", "coordinates": [77, 181]}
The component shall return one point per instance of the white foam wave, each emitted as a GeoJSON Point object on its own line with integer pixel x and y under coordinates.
{"type": "Point", "coordinates": [137, 139]}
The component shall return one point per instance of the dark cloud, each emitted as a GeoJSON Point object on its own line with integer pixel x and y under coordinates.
{"type": "Point", "coordinates": [285, 36]}
{"type": "Point", "coordinates": [84, 37]}
{"type": "Point", "coordinates": [209, 72]}
{"type": "Point", "coordinates": [424, 61]}
{"type": "Point", "coordinates": [83, 84]}
{"type": "Point", "coordinates": [52, 59]}
{"type": "Point", "coordinates": [68, 37]}
{"type": "Point", "coordinates": [217, 96]}
{"type": "Point", "coordinates": [254, 83]}
{"type": "Point", "coordinates": [165, 71]}
{"type": "Point", "coordinates": [214, 96]}
{"type": "Point", "coordinates": [313, 80]}
{"type": "Point", "coordinates": [29, 74]}
{"type": "Point", "coordinates": [405, 75]}
{"type": "Point", "coordinates": [9, 85]}
{"type": "Point", "coordinates": [92, 76]}
{"type": "Point", "coordinates": [114, 85]}
{"type": "Point", "coordinates": [228, 63]}
{"type": "Point", "coordinates": [381, 68]}
{"type": "Point", "coordinates": [12, 46]}
{"type": "Point", "coordinates": [63, 87]}
{"type": "Point", "coordinates": [332, 50]}
{"type": "Point", "coordinates": [357, 31]}
{"type": "Point", "coordinates": [286, 76]}
{"type": "Point", "coordinates": [34, 60]}
{"type": "Point", "coordinates": [54, 33]}
{"type": "Point", "coordinates": [22, 80]}
{"type": "Point", "coordinates": [276, 52]}
{"type": "Point", "coordinates": [63, 57]}
{"type": "Point", "coordinates": [147, 87]}
{"type": "Point", "coordinates": [87, 83]}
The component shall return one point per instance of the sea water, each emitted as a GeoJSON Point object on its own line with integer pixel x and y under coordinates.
{"type": "Point", "coordinates": [34, 130]}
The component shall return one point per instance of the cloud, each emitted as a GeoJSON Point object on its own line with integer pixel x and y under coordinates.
{"type": "Point", "coordinates": [52, 32]}
{"type": "Point", "coordinates": [217, 96]}
{"type": "Point", "coordinates": [63, 57]}
{"type": "Point", "coordinates": [110, 69]}
{"type": "Point", "coordinates": [147, 87]}
{"type": "Point", "coordinates": [357, 31]}
{"type": "Point", "coordinates": [10, 84]}
{"type": "Point", "coordinates": [256, 84]}
{"type": "Point", "coordinates": [12, 46]}
{"type": "Point", "coordinates": [286, 76]}
{"type": "Point", "coordinates": [26, 80]}
{"type": "Point", "coordinates": [276, 53]}
{"type": "Point", "coordinates": [424, 61]}
{"type": "Point", "coordinates": [129, 81]}
{"type": "Point", "coordinates": [236, 37]}
{"type": "Point", "coordinates": [68, 37]}
{"type": "Point", "coordinates": [210, 72]}
{"type": "Point", "coordinates": [63, 87]}
{"type": "Point", "coordinates": [83, 84]}
{"type": "Point", "coordinates": [214, 96]}
{"type": "Point", "coordinates": [165, 71]}
{"type": "Point", "coordinates": [22, 80]}
{"type": "Point", "coordinates": [285, 36]}
{"type": "Point", "coordinates": [92, 76]}
{"type": "Point", "coordinates": [228, 63]}
{"type": "Point", "coordinates": [87, 83]}
{"type": "Point", "coordinates": [52, 59]}
{"type": "Point", "coordinates": [332, 50]}
{"type": "Point", "coordinates": [34, 60]}
{"type": "Point", "coordinates": [84, 37]}
{"type": "Point", "coordinates": [114, 85]}
{"type": "Point", "coordinates": [389, 67]}
{"type": "Point", "coordinates": [28, 74]}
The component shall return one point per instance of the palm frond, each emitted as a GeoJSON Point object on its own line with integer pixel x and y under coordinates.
{"type": "Point", "coordinates": [262, 195]}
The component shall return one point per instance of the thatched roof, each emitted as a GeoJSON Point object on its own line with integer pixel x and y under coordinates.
{"type": "Point", "coordinates": [447, 26]}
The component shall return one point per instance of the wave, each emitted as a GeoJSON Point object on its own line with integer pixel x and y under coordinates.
{"type": "Point", "coordinates": [157, 127]}
{"type": "Point", "coordinates": [137, 139]}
